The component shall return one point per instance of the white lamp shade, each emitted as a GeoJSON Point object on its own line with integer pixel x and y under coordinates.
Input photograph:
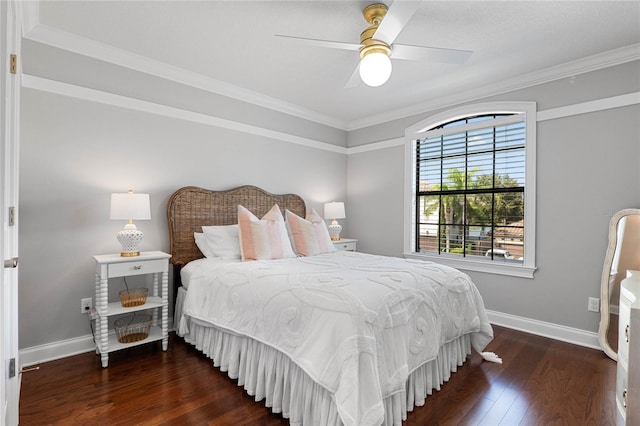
{"type": "Point", "coordinates": [130, 206]}
{"type": "Point", "coordinates": [375, 69]}
{"type": "Point", "coordinates": [334, 210]}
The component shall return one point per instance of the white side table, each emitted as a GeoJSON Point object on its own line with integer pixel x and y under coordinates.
{"type": "Point", "coordinates": [346, 244]}
{"type": "Point", "coordinates": [113, 266]}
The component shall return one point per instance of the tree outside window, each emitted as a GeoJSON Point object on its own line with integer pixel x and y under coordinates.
{"type": "Point", "coordinates": [470, 189]}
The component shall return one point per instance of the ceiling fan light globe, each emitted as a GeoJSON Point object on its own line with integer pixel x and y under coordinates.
{"type": "Point", "coordinates": [375, 69]}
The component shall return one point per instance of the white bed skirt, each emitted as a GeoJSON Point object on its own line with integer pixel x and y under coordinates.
{"type": "Point", "coordinates": [266, 373]}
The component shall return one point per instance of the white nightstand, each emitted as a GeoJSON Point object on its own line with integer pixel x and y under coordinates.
{"type": "Point", "coordinates": [346, 244]}
{"type": "Point", "coordinates": [113, 266]}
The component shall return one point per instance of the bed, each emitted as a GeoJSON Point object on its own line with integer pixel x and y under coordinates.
{"type": "Point", "coordinates": [331, 338]}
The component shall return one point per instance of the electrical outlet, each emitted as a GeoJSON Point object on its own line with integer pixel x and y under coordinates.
{"type": "Point", "coordinates": [86, 305]}
{"type": "Point", "coordinates": [594, 304]}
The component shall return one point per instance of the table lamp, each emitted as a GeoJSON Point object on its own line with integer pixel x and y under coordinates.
{"type": "Point", "coordinates": [130, 207]}
{"type": "Point", "coordinates": [334, 210]}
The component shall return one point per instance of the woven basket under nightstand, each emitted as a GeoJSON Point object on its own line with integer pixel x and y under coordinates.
{"type": "Point", "coordinates": [133, 328]}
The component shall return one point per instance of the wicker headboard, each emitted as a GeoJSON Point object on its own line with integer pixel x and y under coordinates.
{"type": "Point", "coordinates": [190, 208]}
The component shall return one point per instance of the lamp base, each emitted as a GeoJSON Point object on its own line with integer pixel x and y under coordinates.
{"type": "Point", "coordinates": [130, 239]}
{"type": "Point", "coordinates": [334, 230]}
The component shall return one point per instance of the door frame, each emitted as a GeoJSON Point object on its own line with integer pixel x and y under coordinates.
{"type": "Point", "coordinates": [11, 20]}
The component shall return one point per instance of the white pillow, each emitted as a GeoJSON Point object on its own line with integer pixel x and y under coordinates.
{"type": "Point", "coordinates": [311, 236]}
{"type": "Point", "coordinates": [201, 242]}
{"type": "Point", "coordinates": [223, 241]}
{"type": "Point", "coordinates": [265, 238]}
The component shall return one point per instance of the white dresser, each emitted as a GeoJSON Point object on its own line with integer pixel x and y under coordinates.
{"type": "Point", "coordinates": [628, 377]}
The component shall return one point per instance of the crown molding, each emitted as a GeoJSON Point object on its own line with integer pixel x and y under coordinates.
{"type": "Point", "coordinates": [591, 106]}
{"type": "Point", "coordinates": [45, 34]}
{"type": "Point", "coordinates": [54, 37]}
{"type": "Point", "coordinates": [92, 95]}
{"type": "Point", "coordinates": [591, 63]}
{"type": "Point", "coordinates": [602, 104]}
{"type": "Point", "coordinates": [375, 146]}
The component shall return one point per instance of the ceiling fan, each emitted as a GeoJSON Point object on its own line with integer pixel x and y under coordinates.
{"type": "Point", "coordinates": [377, 45]}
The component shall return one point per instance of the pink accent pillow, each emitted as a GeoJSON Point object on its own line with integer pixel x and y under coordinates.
{"type": "Point", "coordinates": [262, 239]}
{"type": "Point", "coordinates": [311, 236]}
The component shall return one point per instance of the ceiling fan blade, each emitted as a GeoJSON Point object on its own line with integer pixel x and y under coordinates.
{"type": "Point", "coordinates": [319, 43]}
{"type": "Point", "coordinates": [433, 54]}
{"type": "Point", "coordinates": [395, 20]}
{"type": "Point", "coordinates": [355, 79]}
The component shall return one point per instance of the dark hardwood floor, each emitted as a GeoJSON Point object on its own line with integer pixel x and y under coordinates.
{"type": "Point", "coordinates": [541, 382]}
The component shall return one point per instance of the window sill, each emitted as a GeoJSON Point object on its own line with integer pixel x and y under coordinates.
{"type": "Point", "coordinates": [499, 268]}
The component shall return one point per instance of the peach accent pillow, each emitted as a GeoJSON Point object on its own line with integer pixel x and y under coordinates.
{"type": "Point", "coordinates": [311, 236]}
{"type": "Point", "coordinates": [262, 239]}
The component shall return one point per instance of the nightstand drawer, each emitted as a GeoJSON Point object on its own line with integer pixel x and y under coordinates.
{"type": "Point", "coordinates": [345, 245]}
{"type": "Point", "coordinates": [137, 268]}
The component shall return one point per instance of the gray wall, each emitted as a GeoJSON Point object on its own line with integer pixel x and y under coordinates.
{"type": "Point", "coordinates": [75, 153]}
{"type": "Point", "coordinates": [587, 169]}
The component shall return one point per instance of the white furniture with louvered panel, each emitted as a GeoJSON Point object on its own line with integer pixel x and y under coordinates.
{"type": "Point", "coordinates": [628, 377]}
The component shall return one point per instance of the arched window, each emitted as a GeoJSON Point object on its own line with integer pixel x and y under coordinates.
{"type": "Point", "coordinates": [472, 188]}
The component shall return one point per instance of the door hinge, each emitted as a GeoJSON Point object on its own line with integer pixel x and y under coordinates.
{"type": "Point", "coordinates": [12, 367]}
{"type": "Point", "coordinates": [13, 63]}
{"type": "Point", "coordinates": [12, 216]}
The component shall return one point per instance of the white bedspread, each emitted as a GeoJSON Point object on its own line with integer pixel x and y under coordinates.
{"type": "Point", "coordinates": [357, 324]}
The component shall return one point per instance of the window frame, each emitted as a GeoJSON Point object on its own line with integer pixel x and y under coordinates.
{"type": "Point", "coordinates": [418, 131]}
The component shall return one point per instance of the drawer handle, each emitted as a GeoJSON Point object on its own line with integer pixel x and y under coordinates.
{"type": "Point", "coordinates": [626, 333]}
{"type": "Point", "coordinates": [137, 267]}
{"type": "Point", "coordinates": [624, 398]}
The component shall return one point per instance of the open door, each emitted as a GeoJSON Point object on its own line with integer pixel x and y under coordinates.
{"type": "Point", "coordinates": [10, 27]}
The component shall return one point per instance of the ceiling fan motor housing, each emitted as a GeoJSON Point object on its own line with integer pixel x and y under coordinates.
{"type": "Point", "coordinates": [373, 14]}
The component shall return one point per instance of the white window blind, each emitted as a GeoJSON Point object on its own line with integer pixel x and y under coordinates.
{"type": "Point", "coordinates": [469, 188]}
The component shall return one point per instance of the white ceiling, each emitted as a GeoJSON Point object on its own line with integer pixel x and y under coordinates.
{"type": "Point", "coordinates": [515, 43]}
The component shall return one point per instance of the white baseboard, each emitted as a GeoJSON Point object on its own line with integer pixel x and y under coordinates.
{"type": "Point", "coordinates": [563, 333]}
{"type": "Point", "coordinates": [61, 349]}
{"type": "Point", "coordinates": [84, 344]}
{"type": "Point", "coordinates": [56, 350]}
